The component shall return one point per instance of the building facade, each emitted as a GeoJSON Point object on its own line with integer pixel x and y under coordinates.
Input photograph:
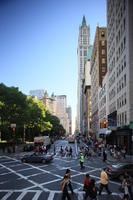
{"type": "Point", "coordinates": [50, 103]}
{"type": "Point", "coordinates": [82, 52]}
{"type": "Point", "coordinates": [86, 114]}
{"type": "Point", "coordinates": [97, 72]}
{"type": "Point", "coordinates": [61, 113]}
{"type": "Point", "coordinates": [120, 70]}
{"type": "Point", "coordinates": [103, 107]}
{"type": "Point", "coordinates": [69, 112]}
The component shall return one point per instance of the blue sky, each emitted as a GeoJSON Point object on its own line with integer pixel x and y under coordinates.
{"type": "Point", "coordinates": [39, 40]}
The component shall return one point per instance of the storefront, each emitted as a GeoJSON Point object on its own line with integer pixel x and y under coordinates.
{"type": "Point", "coordinates": [121, 137]}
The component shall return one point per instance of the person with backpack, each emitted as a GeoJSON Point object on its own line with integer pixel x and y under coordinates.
{"type": "Point", "coordinates": [86, 186]}
{"type": "Point", "coordinates": [64, 188]}
{"type": "Point", "coordinates": [69, 184]}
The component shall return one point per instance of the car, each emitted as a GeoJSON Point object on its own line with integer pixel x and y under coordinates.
{"type": "Point", "coordinates": [37, 158]}
{"type": "Point", "coordinates": [117, 170]}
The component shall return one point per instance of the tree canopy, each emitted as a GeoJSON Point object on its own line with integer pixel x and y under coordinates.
{"type": "Point", "coordinates": [29, 114]}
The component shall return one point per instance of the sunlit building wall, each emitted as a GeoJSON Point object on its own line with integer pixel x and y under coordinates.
{"type": "Point", "coordinates": [82, 52]}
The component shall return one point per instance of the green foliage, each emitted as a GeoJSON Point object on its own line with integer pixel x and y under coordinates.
{"type": "Point", "coordinates": [29, 114]}
{"type": "Point", "coordinates": [57, 128]}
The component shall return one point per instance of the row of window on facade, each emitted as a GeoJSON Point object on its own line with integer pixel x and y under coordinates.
{"type": "Point", "coordinates": [118, 38]}
{"type": "Point", "coordinates": [102, 102]}
{"type": "Point", "coordinates": [83, 53]}
{"type": "Point", "coordinates": [122, 119]}
{"type": "Point", "coordinates": [121, 101]}
{"type": "Point", "coordinates": [120, 49]}
{"type": "Point", "coordinates": [112, 107]}
{"type": "Point", "coordinates": [102, 91]}
{"type": "Point", "coordinates": [111, 48]}
{"type": "Point", "coordinates": [121, 66]}
{"type": "Point", "coordinates": [102, 113]}
{"type": "Point", "coordinates": [121, 84]}
{"type": "Point", "coordinates": [111, 66]}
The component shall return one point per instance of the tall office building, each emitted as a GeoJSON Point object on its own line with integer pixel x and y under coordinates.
{"type": "Point", "coordinates": [61, 105]}
{"type": "Point", "coordinates": [82, 52]}
{"type": "Point", "coordinates": [50, 102]}
{"type": "Point", "coordinates": [86, 114]}
{"type": "Point", "coordinates": [69, 112]}
{"type": "Point", "coordinates": [120, 70]}
{"type": "Point", "coordinates": [97, 71]}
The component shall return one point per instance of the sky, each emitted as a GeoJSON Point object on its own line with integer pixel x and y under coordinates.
{"type": "Point", "coordinates": [39, 40]}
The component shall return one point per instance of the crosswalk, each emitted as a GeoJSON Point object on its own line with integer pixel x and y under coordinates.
{"type": "Point", "coordinates": [40, 191]}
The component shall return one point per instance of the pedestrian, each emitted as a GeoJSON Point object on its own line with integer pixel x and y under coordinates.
{"type": "Point", "coordinates": [104, 155]}
{"type": "Point", "coordinates": [66, 150]}
{"type": "Point", "coordinates": [125, 187]}
{"type": "Point", "coordinates": [54, 149]}
{"type": "Point", "coordinates": [127, 182]}
{"type": "Point", "coordinates": [92, 190]}
{"type": "Point", "coordinates": [61, 151]}
{"type": "Point", "coordinates": [104, 182]}
{"type": "Point", "coordinates": [86, 186]}
{"type": "Point", "coordinates": [68, 174]}
{"type": "Point", "coordinates": [82, 161]}
{"type": "Point", "coordinates": [70, 152]}
{"type": "Point", "coordinates": [64, 188]}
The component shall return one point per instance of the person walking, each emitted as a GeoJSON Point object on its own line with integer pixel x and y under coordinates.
{"type": "Point", "coordinates": [86, 186]}
{"type": "Point", "coordinates": [104, 182]}
{"type": "Point", "coordinates": [68, 174]}
{"type": "Point", "coordinates": [70, 152]}
{"type": "Point", "coordinates": [104, 155]}
{"type": "Point", "coordinates": [64, 188]}
{"type": "Point", "coordinates": [92, 190]}
{"type": "Point", "coordinates": [125, 187]}
{"type": "Point", "coordinates": [82, 161]}
{"type": "Point", "coordinates": [61, 151]}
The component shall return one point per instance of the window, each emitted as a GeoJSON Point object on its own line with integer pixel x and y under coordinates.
{"type": "Point", "coordinates": [103, 60]}
{"type": "Point", "coordinates": [102, 34]}
{"type": "Point", "coordinates": [124, 79]}
{"type": "Point", "coordinates": [103, 42]}
{"type": "Point", "coordinates": [125, 117]}
{"type": "Point", "coordinates": [103, 51]}
{"type": "Point", "coordinates": [85, 53]}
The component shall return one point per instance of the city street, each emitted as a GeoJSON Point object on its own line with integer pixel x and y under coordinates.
{"type": "Point", "coordinates": [42, 181]}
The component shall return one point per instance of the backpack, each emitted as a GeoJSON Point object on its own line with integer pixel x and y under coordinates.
{"type": "Point", "coordinates": [63, 184]}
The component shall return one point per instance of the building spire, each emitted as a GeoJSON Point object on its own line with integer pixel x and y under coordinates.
{"type": "Point", "coordinates": [84, 21]}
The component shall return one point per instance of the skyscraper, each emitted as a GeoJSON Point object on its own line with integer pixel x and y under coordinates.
{"type": "Point", "coordinates": [120, 71]}
{"type": "Point", "coordinates": [82, 52]}
{"type": "Point", "coordinates": [98, 71]}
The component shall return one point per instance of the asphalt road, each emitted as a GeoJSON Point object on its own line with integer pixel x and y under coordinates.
{"type": "Point", "coordinates": [24, 181]}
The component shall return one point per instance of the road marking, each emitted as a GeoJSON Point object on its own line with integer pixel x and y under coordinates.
{"type": "Point", "coordinates": [7, 195]}
{"type": "Point", "coordinates": [21, 195]}
{"type": "Point", "coordinates": [37, 195]}
{"type": "Point", "coordinates": [80, 196]}
{"type": "Point", "coordinates": [51, 195]}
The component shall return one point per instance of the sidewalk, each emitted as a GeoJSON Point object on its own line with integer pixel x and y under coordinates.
{"type": "Point", "coordinates": [129, 158]}
{"type": "Point", "coordinates": [18, 150]}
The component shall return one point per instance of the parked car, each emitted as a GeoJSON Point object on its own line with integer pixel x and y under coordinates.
{"type": "Point", "coordinates": [118, 170]}
{"type": "Point", "coordinates": [37, 158]}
